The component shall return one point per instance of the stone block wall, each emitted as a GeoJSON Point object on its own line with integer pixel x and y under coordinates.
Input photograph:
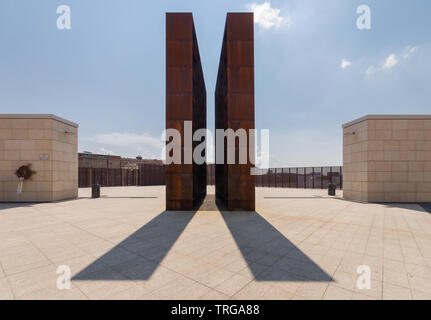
{"type": "Point", "coordinates": [49, 144]}
{"type": "Point", "coordinates": [387, 158]}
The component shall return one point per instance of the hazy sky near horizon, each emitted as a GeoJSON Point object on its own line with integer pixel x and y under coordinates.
{"type": "Point", "coordinates": [314, 68]}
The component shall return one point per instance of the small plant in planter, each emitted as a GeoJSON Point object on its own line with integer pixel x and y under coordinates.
{"type": "Point", "coordinates": [23, 173]}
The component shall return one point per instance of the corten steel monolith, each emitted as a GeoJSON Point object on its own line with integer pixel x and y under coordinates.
{"type": "Point", "coordinates": [185, 101]}
{"type": "Point", "coordinates": [234, 109]}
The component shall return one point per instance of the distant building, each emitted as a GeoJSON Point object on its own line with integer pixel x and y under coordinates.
{"type": "Point", "coordinates": [92, 160]}
{"type": "Point", "coordinates": [131, 163]}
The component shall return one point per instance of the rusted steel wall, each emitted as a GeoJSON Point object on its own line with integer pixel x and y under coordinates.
{"type": "Point", "coordinates": [185, 101]}
{"type": "Point", "coordinates": [234, 109]}
{"type": "Point", "coordinates": [210, 174]}
{"type": "Point", "coordinates": [199, 122]}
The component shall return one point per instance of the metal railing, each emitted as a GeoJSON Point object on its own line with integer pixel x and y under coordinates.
{"type": "Point", "coordinates": [154, 174]}
{"type": "Point", "coordinates": [302, 177]}
{"type": "Point", "coordinates": [145, 175]}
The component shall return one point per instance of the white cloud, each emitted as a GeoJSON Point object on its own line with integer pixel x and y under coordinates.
{"type": "Point", "coordinates": [390, 62]}
{"type": "Point", "coordinates": [370, 70]}
{"type": "Point", "coordinates": [129, 144]}
{"type": "Point", "coordinates": [393, 60]}
{"type": "Point", "coordinates": [267, 17]}
{"type": "Point", "coordinates": [408, 51]}
{"type": "Point", "coordinates": [123, 139]}
{"type": "Point", "coordinates": [105, 151]}
{"type": "Point", "coordinates": [345, 63]}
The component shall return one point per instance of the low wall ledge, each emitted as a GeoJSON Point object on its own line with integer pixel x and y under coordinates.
{"type": "Point", "coordinates": [389, 117]}
{"type": "Point", "coordinates": [38, 116]}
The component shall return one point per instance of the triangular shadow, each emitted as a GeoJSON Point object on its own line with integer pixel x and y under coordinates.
{"type": "Point", "coordinates": [138, 256]}
{"type": "Point", "coordinates": [269, 254]}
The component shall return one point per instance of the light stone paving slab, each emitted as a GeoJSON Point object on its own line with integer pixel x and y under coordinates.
{"type": "Point", "coordinates": [2, 274]}
{"type": "Point", "coordinates": [5, 290]}
{"type": "Point", "coordinates": [301, 244]}
{"type": "Point", "coordinates": [233, 284]}
{"type": "Point", "coordinates": [336, 293]}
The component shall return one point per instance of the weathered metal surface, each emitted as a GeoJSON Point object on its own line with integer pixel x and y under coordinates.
{"type": "Point", "coordinates": [185, 101]}
{"type": "Point", "coordinates": [234, 108]}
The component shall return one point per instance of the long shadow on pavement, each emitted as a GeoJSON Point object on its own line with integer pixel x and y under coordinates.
{"type": "Point", "coordinates": [138, 256]}
{"type": "Point", "coordinates": [269, 254]}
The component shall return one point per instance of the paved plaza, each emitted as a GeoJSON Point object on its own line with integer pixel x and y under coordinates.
{"type": "Point", "coordinates": [300, 244]}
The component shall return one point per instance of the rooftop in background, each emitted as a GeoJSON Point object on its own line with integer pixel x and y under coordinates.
{"type": "Point", "coordinates": [37, 116]}
{"type": "Point", "coordinates": [389, 117]}
{"type": "Point", "coordinates": [94, 160]}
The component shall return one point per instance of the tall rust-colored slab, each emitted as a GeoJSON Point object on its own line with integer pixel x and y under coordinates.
{"type": "Point", "coordinates": [185, 101]}
{"type": "Point", "coordinates": [234, 108]}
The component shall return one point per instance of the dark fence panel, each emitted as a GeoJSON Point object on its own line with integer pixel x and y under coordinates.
{"type": "Point", "coordinates": [144, 175]}
{"type": "Point", "coordinates": [317, 178]}
{"type": "Point", "coordinates": [154, 175]}
{"type": "Point", "coordinates": [301, 178]}
{"type": "Point", "coordinates": [326, 176]}
{"type": "Point", "coordinates": [83, 177]}
{"type": "Point", "coordinates": [293, 178]}
{"type": "Point", "coordinates": [308, 178]}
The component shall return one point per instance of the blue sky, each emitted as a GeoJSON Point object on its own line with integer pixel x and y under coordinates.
{"type": "Point", "coordinates": [107, 72]}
